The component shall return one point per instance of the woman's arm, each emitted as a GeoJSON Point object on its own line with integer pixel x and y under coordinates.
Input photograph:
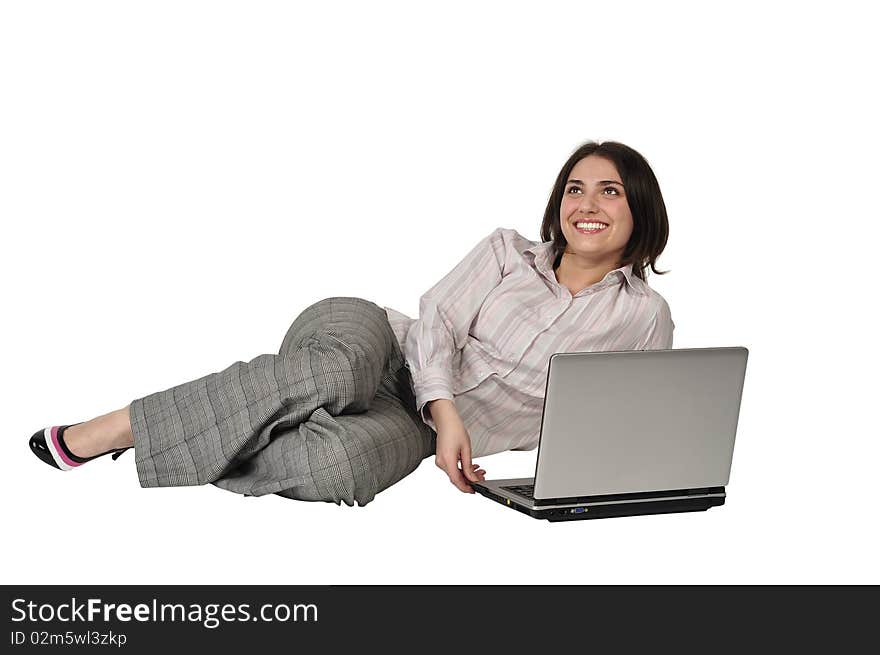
{"type": "Point", "coordinates": [446, 312]}
{"type": "Point", "coordinates": [454, 445]}
{"type": "Point", "coordinates": [443, 411]}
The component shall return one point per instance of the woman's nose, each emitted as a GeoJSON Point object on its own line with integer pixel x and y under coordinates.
{"type": "Point", "coordinates": [588, 204]}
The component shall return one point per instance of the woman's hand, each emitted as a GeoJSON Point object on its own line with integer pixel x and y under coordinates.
{"type": "Point", "coordinates": [454, 446]}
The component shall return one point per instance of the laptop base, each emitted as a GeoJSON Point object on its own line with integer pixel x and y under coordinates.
{"type": "Point", "coordinates": [602, 511]}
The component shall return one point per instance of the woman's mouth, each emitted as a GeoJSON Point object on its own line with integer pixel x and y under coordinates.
{"type": "Point", "coordinates": [591, 227]}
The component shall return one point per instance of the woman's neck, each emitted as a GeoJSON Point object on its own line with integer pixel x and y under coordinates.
{"type": "Point", "coordinates": [578, 273]}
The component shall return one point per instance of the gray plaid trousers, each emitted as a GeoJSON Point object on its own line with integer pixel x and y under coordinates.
{"type": "Point", "coordinates": [331, 418]}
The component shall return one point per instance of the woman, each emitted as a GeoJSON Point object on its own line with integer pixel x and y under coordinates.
{"type": "Point", "coordinates": [359, 395]}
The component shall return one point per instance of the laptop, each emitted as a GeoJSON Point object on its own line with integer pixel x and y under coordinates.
{"type": "Point", "coordinates": [628, 433]}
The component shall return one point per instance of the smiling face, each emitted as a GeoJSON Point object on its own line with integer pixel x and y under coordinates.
{"type": "Point", "coordinates": [594, 193]}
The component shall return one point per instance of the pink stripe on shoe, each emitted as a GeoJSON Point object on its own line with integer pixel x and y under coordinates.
{"type": "Point", "coordinates": [60, 451]}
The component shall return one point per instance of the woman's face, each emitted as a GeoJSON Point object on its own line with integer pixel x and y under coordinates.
{"type": "Point", "coordinates": [594, 193]}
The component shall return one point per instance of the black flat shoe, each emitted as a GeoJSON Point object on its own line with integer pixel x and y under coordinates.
{"type": "Point", "coordinates": [48, 444]}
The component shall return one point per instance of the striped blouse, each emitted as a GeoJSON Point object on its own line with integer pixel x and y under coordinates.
{"type": "Point", "coordinates": [486, 331]}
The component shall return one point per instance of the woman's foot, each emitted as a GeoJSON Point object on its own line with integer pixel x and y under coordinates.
{"type": "Point", "coordinates": [67, 447]}
{"type": "Point", "coordinates": [101, 434]}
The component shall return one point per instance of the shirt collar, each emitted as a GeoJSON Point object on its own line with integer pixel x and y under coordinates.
{"type": "Point", "coordinates": [543, 261]}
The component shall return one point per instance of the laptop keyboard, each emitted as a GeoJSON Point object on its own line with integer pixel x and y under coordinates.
{"type": "Point", "coordinates": [524, 490]}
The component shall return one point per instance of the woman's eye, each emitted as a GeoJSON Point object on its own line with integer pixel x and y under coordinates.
{"type": "Point", "coordinates": [608, 188]}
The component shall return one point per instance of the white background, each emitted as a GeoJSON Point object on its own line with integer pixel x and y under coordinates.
{"type": "Point", "coordinates": [181, 179]}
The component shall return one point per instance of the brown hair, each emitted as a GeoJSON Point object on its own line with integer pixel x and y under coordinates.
{"type": "Point", "coordinates": [650, 223]}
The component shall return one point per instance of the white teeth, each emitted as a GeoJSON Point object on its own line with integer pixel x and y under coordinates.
{"type": "Point", "coordinates": [590, 226]}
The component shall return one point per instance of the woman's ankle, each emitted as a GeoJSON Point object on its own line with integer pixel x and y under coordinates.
{"type": "Point", "coordinates": [124, 436]}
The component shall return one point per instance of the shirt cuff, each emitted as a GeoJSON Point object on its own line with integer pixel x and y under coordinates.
{"type": "Point", "coordinates": [431, 383]}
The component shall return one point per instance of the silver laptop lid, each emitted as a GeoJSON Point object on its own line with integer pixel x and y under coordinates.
{"type": "Point", "coordinates": [637, 421]}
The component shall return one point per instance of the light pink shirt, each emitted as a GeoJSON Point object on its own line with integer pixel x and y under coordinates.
{"type": "Point", "coordinates": [486, 331]}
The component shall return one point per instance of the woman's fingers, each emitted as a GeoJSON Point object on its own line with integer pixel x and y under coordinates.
{"type": "Point", "coordinates": [459, 481]}
{"type": "Point", "coordinates": [456, 477]}
{"type": "Point", "coordinates": [449, 465]}
{"type": "Point", "coordinates": [466, 465]}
